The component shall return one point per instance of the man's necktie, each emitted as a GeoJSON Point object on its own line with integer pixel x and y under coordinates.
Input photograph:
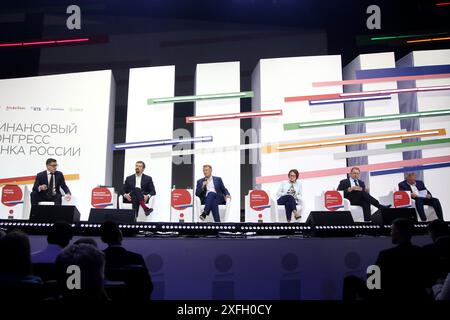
{"type": "Point", "coordinates": [356, 182]}
{"type": "Point", "coordinates": [51, 184]}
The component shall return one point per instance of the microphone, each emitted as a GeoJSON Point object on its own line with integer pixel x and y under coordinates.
{"type": "Point", "coordinates": [204, 185]}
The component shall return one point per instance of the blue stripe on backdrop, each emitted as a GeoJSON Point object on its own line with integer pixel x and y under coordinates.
{"type": "Point", "coordinates": [407, 169]}
{"type": "Point", "coordinates": [399, 72]}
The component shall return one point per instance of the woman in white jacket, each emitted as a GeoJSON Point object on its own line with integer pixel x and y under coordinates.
{"type": "Point", "coordinates": [289, 194]}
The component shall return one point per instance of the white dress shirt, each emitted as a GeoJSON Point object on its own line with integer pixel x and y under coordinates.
{"type": "Point", "coordinates": [210, 186]}
{"type": "Point", "coordinates": [414, 188]}
{"type": "Point", "coordinates": [352, 182]}
{"type": "Point", "coordinates": [138, 181]}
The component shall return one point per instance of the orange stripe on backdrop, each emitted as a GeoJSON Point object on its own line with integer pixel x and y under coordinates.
{"type": "Point", "coordinates": [428, 40]}
{"type": "Point", "coordinates": [385, 79]}
{"type": "Point", "coordinates": [30, 179]}
{"type": "Point", "coordinates": [313, 144]}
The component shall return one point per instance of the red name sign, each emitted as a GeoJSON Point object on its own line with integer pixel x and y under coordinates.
{"type": "Point", "coordinates": [101, 197]}
{"type": "Point", "coordinates": [333, 200]}
{"type": "Point", "coordinates": [181, 199]}
{"type": "Point", "coordinates": [259, 200]}
{"type": "Point", "coordinates": [401, 199]}
{"type": "Point", "coordinates": [12, 195]}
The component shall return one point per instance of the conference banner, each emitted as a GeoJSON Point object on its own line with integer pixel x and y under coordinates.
{"type": "Point", "coordinates": [103, 198]}
{"type": "Point", "coordinates": [402, 199]}
{"type": "Point", "coordinates": [12, 201]}
{"type": "Point", "coordinates": [258, 207]}
{"type": "Point", "coordinates": [333, 200]}
{"type": "Point", "coordinates": [67, 117]}
{"type": "Point", "coordinates": [181, 208]}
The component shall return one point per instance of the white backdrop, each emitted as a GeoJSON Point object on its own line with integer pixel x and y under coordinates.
{"type": "Point", "coordinates": [151, 122]}
{"type": "Point", "coordinates": [379, 185]}
{"type": "Point", "coordinates": [275, 79]}
{"type": "Point", "coordinates": [219, 78]}
{"type": "Point", "coordinates": [32, 111]}
{"type": "Point", "coordinates": [436, 180]}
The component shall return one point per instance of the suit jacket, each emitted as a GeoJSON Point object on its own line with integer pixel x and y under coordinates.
{"type": "Point", "coordinates": [404, 272]}
{"type": "Point", "coordinates": [118, 257]}
{"type": "Point", "coordinates": [406, 187]}
{"type": "Point", "coordinates": [221, 191]}
{"type": "Point", "coordinates": [147, 186]}
{"type": "Point", "coordinates": [42, 178]}
{"type": "Point", "coordinates": [345, 184]}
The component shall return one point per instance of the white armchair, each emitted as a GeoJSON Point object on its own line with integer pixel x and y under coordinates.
{"type": "Point", "coordinates": [429, 210]}
{"type": "Point", "coordinates": [356, 211]}
{"type": "Point", "coordinates": [251, 216]}
{"type": "Point", "coordinates": [141, 214]}
{"type": "Point", "coordinates": [224, 211]}
{"type": "Point", "coordinates": [388, 199]}
{"type": "Point", "coordinates": [279, 212]}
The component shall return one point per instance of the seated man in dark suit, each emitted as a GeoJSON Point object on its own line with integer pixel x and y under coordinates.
{"type": "Point", "coordinates": [117, 257]}
{"type": "Point", "coordinates": [355, 190]}
{"type": "Point", "coordinates": [211, 192]}
{"type": "Point", "coordinates": [138, 188]}
{"type": "Point", "coordinates": [403, 269]}
{"type": "Point", "coordinates": [48, 185]}
{"type": "Point", "coordinates": [415, 186]}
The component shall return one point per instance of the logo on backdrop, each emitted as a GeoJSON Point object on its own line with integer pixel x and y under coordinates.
{"type": "Point", "coordinates": [101, 197]}
{"type": "Point", "coordinates": [181, 199]}
{"type": "Point", "coordinates": [15, 108]}
{"type": "Point", "coordinates": [333, 200]}
{"type": "Point", "coordinates": [12, 195]}
{"type": "Point", "coordinates": [401, 199]}
{"type": "Point", "coordinates": [259, 200]}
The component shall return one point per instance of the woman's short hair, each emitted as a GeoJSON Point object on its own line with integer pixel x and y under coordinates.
{"type": "Point", "coordinates": [295, 171]}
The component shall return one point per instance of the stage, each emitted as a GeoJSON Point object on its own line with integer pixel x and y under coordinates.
{"type": "Point", "coordinates": [244, 260]}
{"type": "Point", "coordinates": [233, 230]}
{"type": "Point", "coordinates": [252, 268]}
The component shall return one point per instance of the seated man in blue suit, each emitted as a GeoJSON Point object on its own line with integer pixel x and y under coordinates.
{"type": "Point", "coordinates": [414, 186]}
{"type": "Point", "coordinates": [138, 188]}
{"type": "Point", "coordinates": [211, 192]}
{"type": "Point", "coordinates": [48, 185]}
